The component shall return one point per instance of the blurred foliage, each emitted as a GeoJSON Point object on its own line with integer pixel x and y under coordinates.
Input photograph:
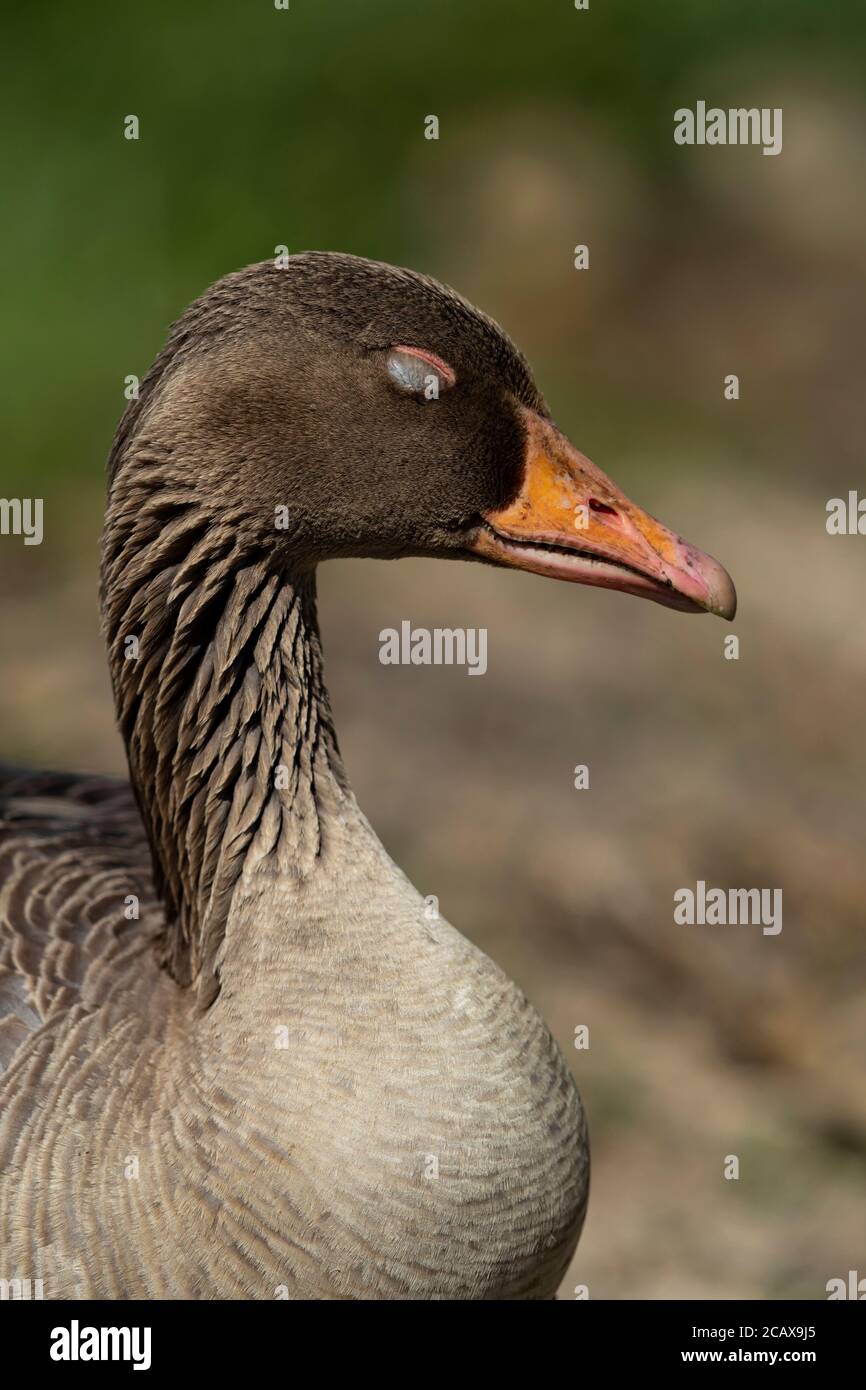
{"type": "Point", "coordinates": [301, 127]}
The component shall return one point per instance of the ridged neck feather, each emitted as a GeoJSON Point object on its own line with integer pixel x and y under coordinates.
{"type": "Point", "coordinates": [216, 667]}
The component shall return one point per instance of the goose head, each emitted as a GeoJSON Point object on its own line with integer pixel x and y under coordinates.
{"type": "Point", "coordinates": [330, 407]}
{"type": "Point", "coordinates": [341, 407]}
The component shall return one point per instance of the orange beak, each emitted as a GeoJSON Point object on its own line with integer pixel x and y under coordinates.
{"type": "Point", "coordinates": [571, 522]}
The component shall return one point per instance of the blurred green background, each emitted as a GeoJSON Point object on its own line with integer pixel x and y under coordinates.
{"type": "Point", "coordinates": [261, 127]}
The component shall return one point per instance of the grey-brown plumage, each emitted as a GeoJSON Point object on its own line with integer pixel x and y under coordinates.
{"type": "Point", "coordinates": [240, 1060]}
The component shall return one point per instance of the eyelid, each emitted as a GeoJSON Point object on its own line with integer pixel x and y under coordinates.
{"type": "Point", "coordinates": [441, 367]}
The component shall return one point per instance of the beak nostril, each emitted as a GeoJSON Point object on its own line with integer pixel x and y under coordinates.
{"type": "Point", "coordinates": [596, 506]}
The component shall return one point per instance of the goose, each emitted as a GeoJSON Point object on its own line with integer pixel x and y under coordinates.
{"type": "Point", "coordinates": [241, 1059]}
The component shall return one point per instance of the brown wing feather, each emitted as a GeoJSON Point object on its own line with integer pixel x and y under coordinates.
{"type": "Point", "coordinates": [72, 851]}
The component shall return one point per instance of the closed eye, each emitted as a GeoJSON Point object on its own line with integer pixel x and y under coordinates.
{"type": "Point", "coordinates": [419, 373]}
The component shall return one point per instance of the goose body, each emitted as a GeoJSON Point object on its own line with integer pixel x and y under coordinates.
{"type": "Point", "coordinates": [240, 1059]}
